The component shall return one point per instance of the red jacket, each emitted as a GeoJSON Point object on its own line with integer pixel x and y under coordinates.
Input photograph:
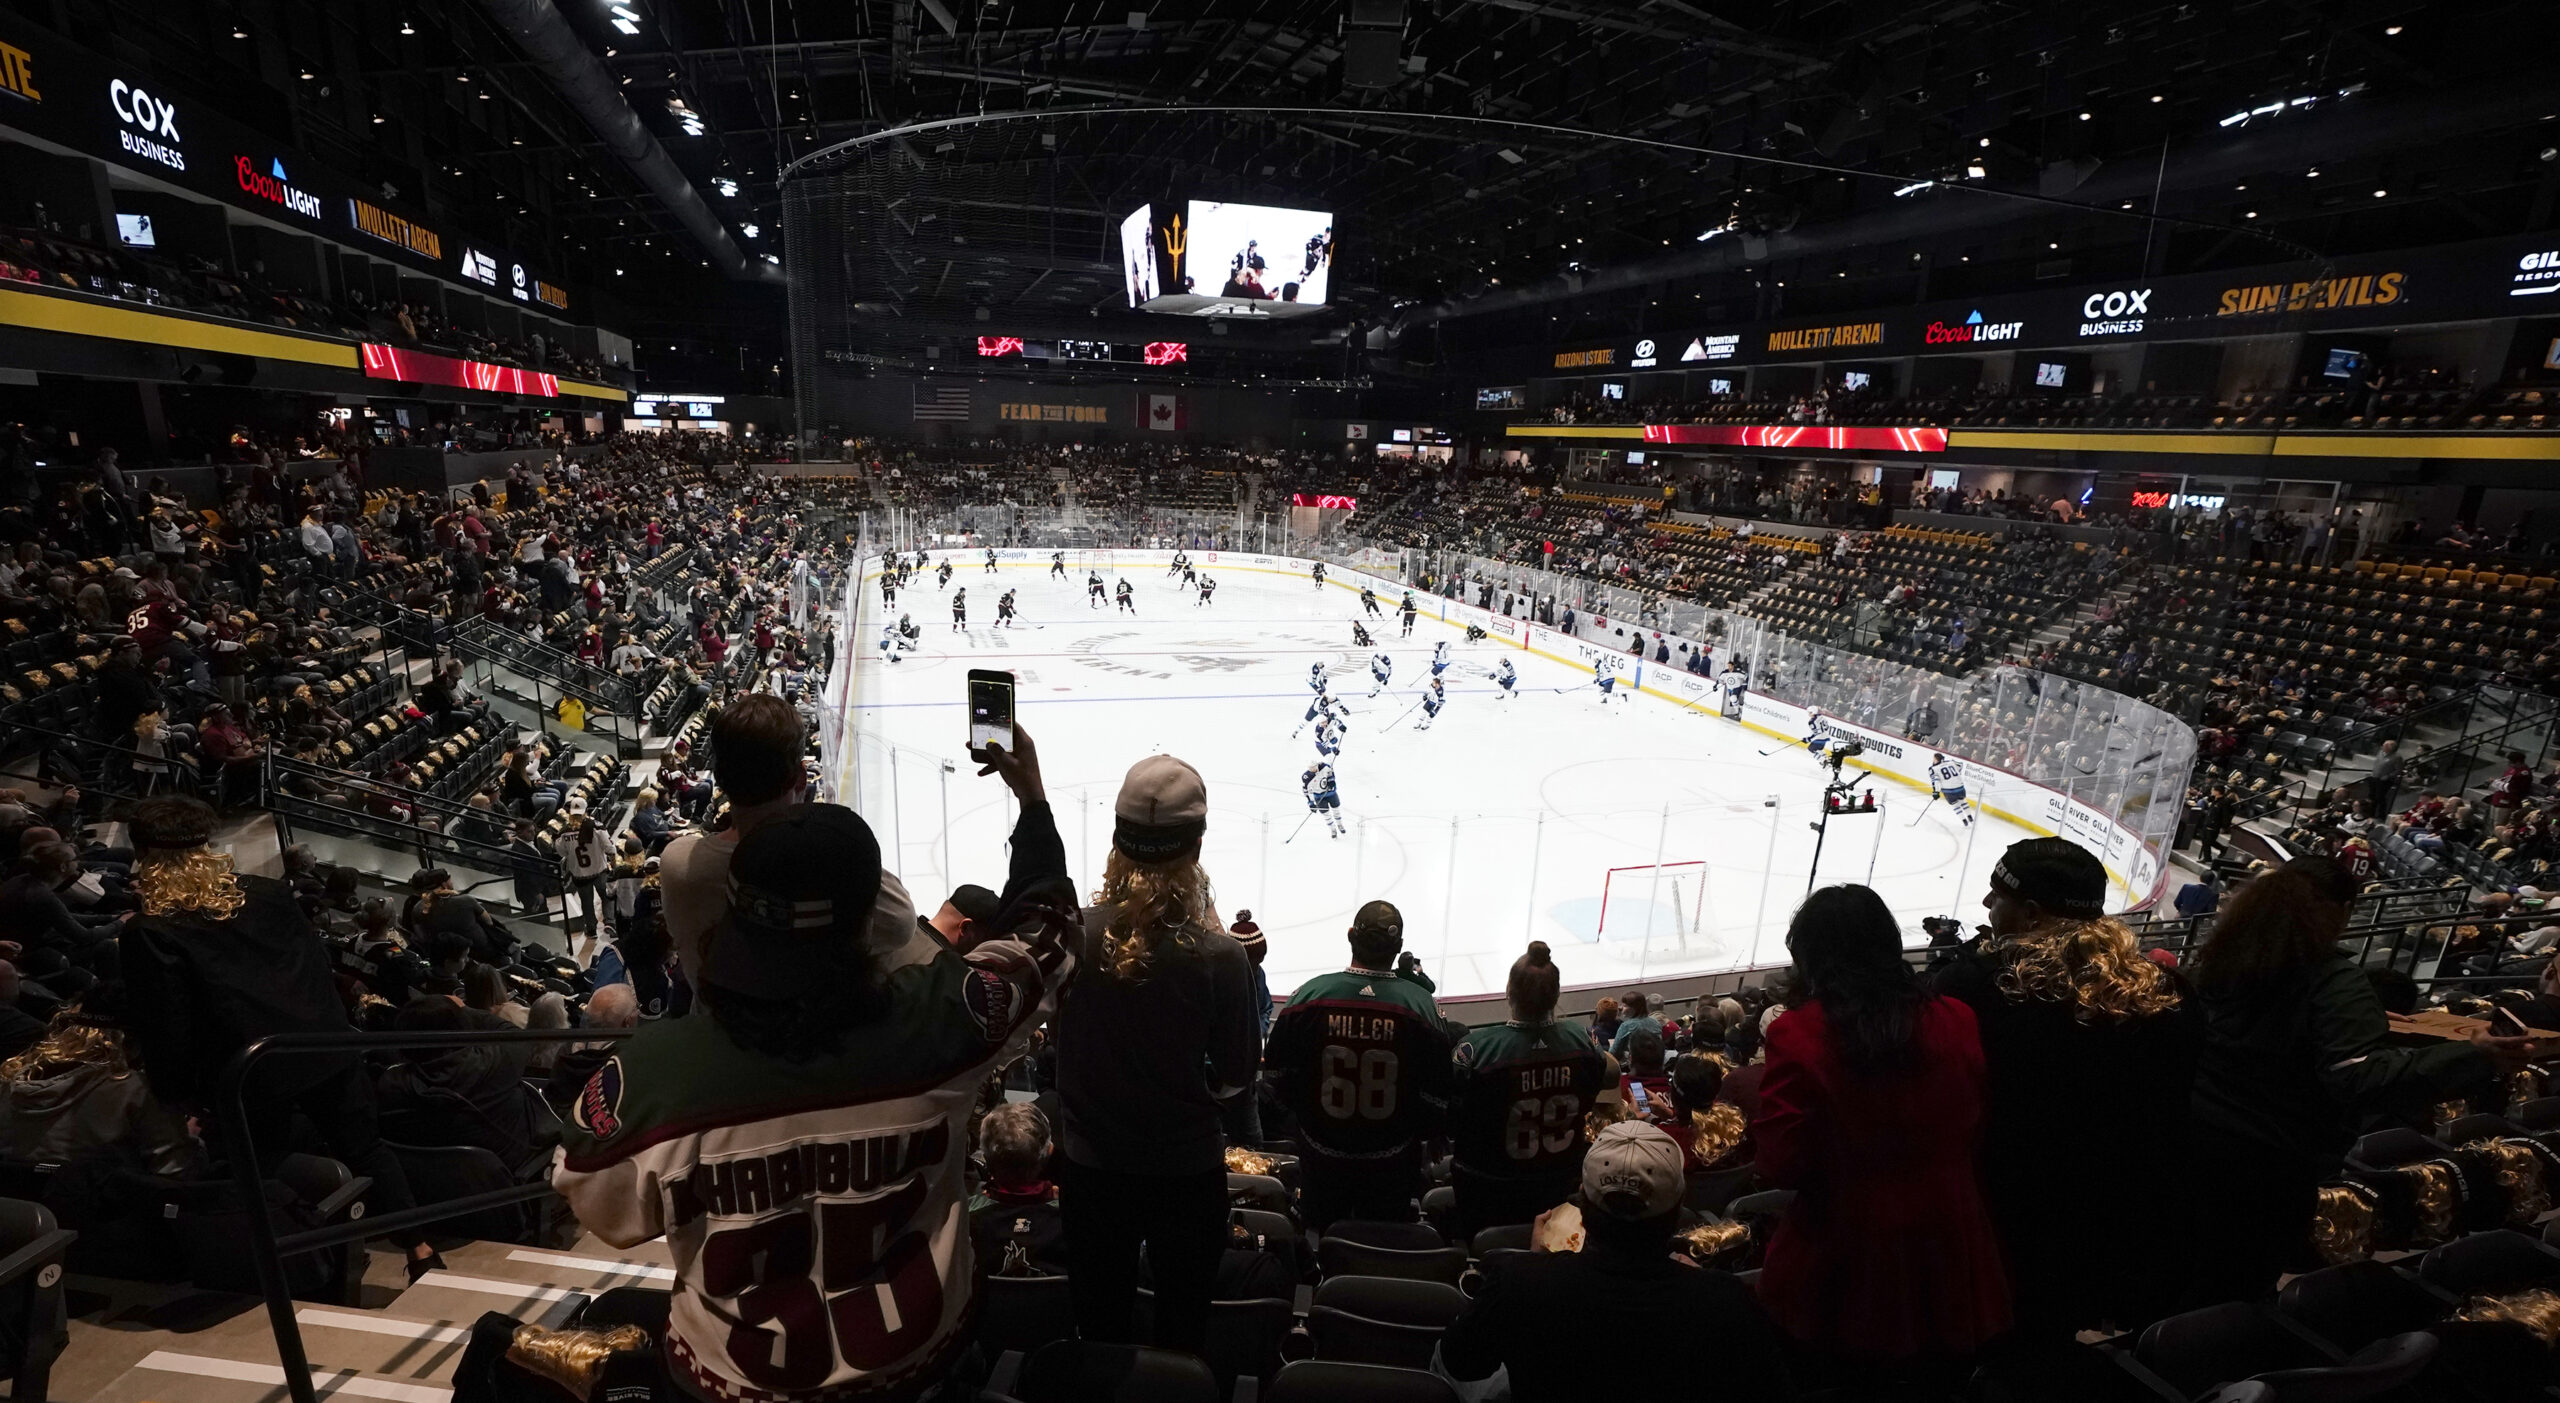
{"type": "Point", "coordinates": [1887, 1251]}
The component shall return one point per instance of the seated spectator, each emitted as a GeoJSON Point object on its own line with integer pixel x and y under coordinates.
{"type": "Point", "coordinates": [1536, 1317]}
{"type": "Point", "coordinates": [610, 1006]}
{"type": "Point", "coordinates": [1644, 1087]}
{"type": "Point", "coordinates": [34, 915]}
{"type": "Point", "coordinates": [1712, 1134]}
{"type": "Point", "coordinates": [472, 1095]}
{"type": "Point", "coordinates": [1014, 1219]}
{"type": "Point", "coordinates": [75, 1091]}
{"type": "Point", "coordinates": [1639, 1018]}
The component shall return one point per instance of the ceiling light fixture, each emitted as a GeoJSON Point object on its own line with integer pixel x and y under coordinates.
{"type": "Point", "coordinates": [407, 28]}
{"type": "Point", "coordinates": [749, 230]}
{"type": "Point", "coordinates": [2391, 29]}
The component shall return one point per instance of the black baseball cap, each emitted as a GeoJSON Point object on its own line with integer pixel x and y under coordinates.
{"type": "Point", "coordinates": [2055, 873]}
{"type": "Point", "coordinates": [801, 889]}
{"type": "Point", "coordinates": [975, 902]}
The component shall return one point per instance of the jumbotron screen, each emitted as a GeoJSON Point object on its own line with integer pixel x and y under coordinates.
{"type": "Point", "coordinates": [1216, 258]}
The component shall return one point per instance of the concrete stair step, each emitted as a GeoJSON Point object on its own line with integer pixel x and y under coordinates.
{"type": "Point", "coordinates": [578, 1269]}
{"type": "Point", "coordinates": [458, 1298]}
{"type": "Point", "coordinates": [180, 1376]}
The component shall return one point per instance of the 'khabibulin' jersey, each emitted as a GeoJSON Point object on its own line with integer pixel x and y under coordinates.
{"type": "Point", "coordinates": [1360, 1058]}
{"type": "Point", "coordinates": [1522, 1090]}
{"type": "Point", "coordinates": [1947, 776]}
{"type": "Point", "coordinates": [816, 1212]}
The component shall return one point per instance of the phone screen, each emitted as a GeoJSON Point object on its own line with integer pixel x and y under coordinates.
{"type": "Point", "coordinates": [990, 709]}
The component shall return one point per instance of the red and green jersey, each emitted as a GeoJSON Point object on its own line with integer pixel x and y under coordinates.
{"type": "Point", "coordinates": [1361, 1060]}
{"type": "Point", "coordinates": [1522, 1090]}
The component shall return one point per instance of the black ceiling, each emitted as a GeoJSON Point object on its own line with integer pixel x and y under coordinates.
{"type": "Point", "coordinates": [1435, 220]}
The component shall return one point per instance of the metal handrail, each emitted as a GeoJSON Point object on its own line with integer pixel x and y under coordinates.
{"type": "Point", "coordinates": [494, 642]}
{"type": "Point", "coordinates": [267, 1250]}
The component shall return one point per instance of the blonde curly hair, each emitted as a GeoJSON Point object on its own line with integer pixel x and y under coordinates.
{"type": "Point", "coordinates": [1154, 906]}
{"type": "Point", "coordinates": [2096, 967]}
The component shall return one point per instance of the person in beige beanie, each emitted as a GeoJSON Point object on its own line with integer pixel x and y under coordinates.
{"type": "Point", "coordinates": [1156, 1032]}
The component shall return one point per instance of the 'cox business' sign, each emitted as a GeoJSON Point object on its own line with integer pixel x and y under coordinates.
{"type": "Point", "coordinates": [2114, 313]}
{"type": "Point", "coordinates": [150, 125]}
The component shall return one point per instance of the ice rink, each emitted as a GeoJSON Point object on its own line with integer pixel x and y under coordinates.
{"type": "Point", "coordinates": [1501, 823]}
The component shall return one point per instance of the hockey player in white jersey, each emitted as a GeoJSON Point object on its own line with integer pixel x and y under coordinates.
{"type": "Point", "coordinates": [1440, 657]}
{"type": "Point", "coordinates": [1381, 668]}
{"type": "Point", "coordinates": [1432, 701]}
{"type": "Point", "coordinates": [1329, 733]}
{"type": "Point", "coordinates": [1507, 680]}
{"type": "Point", "coordinates": [1317, 705]}
{"type": "Point", "coordinates": [1946, 781]}
{"type": "Point", "coordinates": [1324, 795]}
{"type": "Point", "coordinates": [1606, 681]}
{"type": "Point", "coordinates": [891, 644]}
{"type": "Point", "coordinates": [1817, 743]}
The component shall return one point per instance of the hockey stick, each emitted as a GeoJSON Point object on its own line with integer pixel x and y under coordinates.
{"type": "Point", "coordinates": [1294, 832]}
{"type": "Point", "coordinates": [1924, 812]}
{"type": "Point", "coordinates": [1408, 711]}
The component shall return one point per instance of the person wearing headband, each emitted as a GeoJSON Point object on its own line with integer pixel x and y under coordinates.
{"type": "Point", "coordinates": [2088, 1054]}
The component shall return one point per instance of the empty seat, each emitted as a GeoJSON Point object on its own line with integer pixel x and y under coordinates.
{"type": "Point", "coordinates": [2357, 1303]}
{"type": "Point", "coordinates": [1330, 1381]}
{"type": "Point", "coordinates": [1089, 1371]}
{"type": "Point", "coordinates": [1344, 1257]}
{"type": "Point", "coordinates": [2489, 1264]}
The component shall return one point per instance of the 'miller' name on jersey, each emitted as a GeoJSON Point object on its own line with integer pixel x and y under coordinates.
{"type": "Point", "coordinates": [758, 1184]}
{"type": "Point", "coordinates": [1360, 1027]}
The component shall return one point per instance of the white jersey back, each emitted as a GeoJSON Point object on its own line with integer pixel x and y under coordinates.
{"type": "Point", "coordinates": [1318, 781]}
{"type": "Point", "coordinates": [1946, 775]}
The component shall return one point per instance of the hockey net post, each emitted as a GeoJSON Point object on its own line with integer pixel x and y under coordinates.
{"type": "Point", "coordinates": [1680, 886]}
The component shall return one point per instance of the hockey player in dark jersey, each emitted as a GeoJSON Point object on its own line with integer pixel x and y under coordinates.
{"type": "Point", "coordinates": [1368, 601]}
{"type": "Point", "coordinates": [1057, 565]}
{"type": "Point", "coordinates": [1128, 597]}
{"type": "Point", "coordinates": [991, 560]}
{"type": "Point", "coordinates": [942, 577]}
{"type": "Point", "coordinates": [1360, 1059]}
{"type": "Point", "coordinates": [1408, 612]}
{"type": "Point", "coordinates": [1093, 590]}
{"type": "Point", "coordinates": [1360, 636]}
{"type": "Point", "coordinates": [1004, 610]}
{"type": "Point", "coordinates": [1319, 574]}
{"type": "Point", "coordinates": [1520, 1091]}
{"type": "Point", "coordinates": [1208, 587]}
{"type": "Point", "coordinates": [960, 609]}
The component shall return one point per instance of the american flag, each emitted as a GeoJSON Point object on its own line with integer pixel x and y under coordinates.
{"type": "Point", "coordinates": [941, 404]}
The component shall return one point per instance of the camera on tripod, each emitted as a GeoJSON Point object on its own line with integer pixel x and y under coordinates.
{"type": "Point", "coordinates": [1943, 930]}
{"type": "Point", "coordinates": [1850, 751]}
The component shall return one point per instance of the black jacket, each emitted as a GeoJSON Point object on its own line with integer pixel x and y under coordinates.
{"type": "Point", "coordinates": [2290, 1070]}
{"type": "Point", "coordinates": [1144, 1064]}
{"type": "Point", "coordinates": [199, 990]}
{"type": "Point", "coordinates": [1540, 1315]}
{"type": "Point", "coordinates": [2078, 1112]}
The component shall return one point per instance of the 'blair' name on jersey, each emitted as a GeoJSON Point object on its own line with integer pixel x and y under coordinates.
{"type": "Point", "coordinates": [1360, 1027]}
{"type": "Point", "coordinates": [1551, 1076]}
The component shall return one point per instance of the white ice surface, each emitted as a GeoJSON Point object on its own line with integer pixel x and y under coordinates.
{"type": "Point", "coordinates": [1498, 825]}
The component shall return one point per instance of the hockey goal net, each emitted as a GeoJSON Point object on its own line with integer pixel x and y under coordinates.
{"type": "Point", "coordinates": [1672, 894]}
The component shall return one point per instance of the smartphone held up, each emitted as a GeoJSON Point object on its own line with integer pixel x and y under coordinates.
{"type": "Point", "coordinates": [990, 712]}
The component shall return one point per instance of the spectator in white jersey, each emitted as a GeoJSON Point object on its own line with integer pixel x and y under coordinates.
{"type": "Point", "coordinates": [803, 1147]}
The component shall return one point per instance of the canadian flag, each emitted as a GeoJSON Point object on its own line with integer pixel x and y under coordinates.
{"type": "Point", "coordinates": [1165, 412]}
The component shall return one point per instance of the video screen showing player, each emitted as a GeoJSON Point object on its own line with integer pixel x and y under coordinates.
{"type": "Point", "coordinates": [1137, 256]}
{"type": "Point", "coordinates": [1261, 253]}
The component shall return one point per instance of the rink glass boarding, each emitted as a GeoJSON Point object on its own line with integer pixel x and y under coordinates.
{"type": "Point", "coordinates": [2044, 752]}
